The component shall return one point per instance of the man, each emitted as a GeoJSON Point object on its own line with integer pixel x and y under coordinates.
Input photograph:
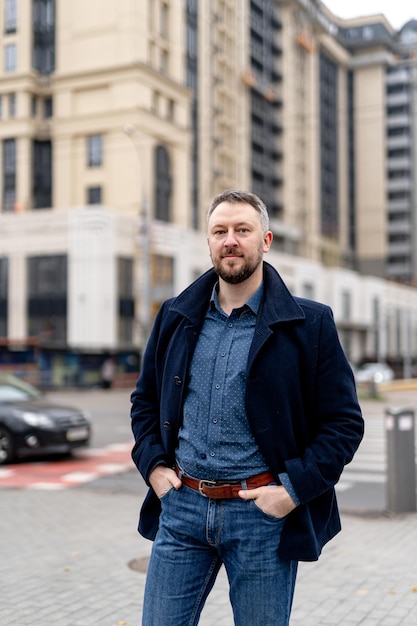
{"type": "Point", "coordinates": [244, 415]}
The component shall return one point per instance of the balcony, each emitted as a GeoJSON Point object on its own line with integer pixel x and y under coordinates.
{"type": "Point", "coordinates": [398, 99]}
{"type": "Point", "coordinates": [398, 184]}
{"type": "Point", "coordinates": [399, 206]}
{"type": "Point", "coordinates": [398, 270]}
{"type": "Point", "coordinates": [398, 78]}
{"type": "Point", "coordinates": [399, 163]}
{"type": "Point", "coordinates": [402, 248]}
{"type": "Point", "coordinates": [398, 121]}
{"type": "Point", "coordinates": [399, 141]}
{"type": "Point", "coordinates": [399, 228]}
{"type": "Point", "coordinates": [42, 129]}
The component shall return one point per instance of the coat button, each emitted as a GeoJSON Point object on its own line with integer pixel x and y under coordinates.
{"type": "Point", "coordinates": [167, 425]}
{"type": "Point", "coordinates": [177, 380]}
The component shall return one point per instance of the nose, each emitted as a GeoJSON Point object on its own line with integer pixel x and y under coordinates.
{"type": "Point", "coordinates": [230, 239]}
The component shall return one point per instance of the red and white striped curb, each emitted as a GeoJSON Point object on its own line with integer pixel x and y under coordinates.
{"type": "Point", "coordinates": [84, 466]}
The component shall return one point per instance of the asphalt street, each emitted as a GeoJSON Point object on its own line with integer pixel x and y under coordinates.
{"type": "Point", "coordinates": [71, 556]}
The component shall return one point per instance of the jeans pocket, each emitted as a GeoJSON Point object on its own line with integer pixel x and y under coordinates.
{"type": "Point", "coordinates": [268, 516]}
{"type": "Point", "coordinates": [166, 494]}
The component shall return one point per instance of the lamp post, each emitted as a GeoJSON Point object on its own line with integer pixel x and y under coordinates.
{"type": "Point", "coordinates": [144, 232]}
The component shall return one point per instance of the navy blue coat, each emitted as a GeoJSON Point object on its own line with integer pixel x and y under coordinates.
{"type": "Point", "coordinates": [301, 403]}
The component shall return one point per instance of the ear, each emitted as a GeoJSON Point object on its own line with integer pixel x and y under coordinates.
{"type": "Point", "coordinates": [209, 247]}
{"type": "Point", "coordinates": [268, 236]}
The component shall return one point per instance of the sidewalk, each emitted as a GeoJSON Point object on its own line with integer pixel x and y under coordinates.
{"type": "Point", "coordinates": [74, 558]}
{"type": "Point", "coordinates": [66, 555]}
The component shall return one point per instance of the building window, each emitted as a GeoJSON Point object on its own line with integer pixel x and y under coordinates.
{"type": "Point", "coordinates": [10, 58]}
{"type": "Point", "coordinates": [34, 106]}
{"type": "Point", "coordinates": [346, 305]}
{"type": "Point", "coordinates": [308, 291]}
{"type": "Point", "coordinates": [171, 111]}
{"type": "Point", "coordinates": [10, 16]}
{"type": "Point", "coordinates": [329, 147]}
{"type": "Point", "coordinates": [94, 195]}
{"type": "Point", "coordinates": [192, 83]}
{"type": "Point", "coordinates": [126, 300]}
{"type": "Point", "coordinates": [47, 108]}
{"type": "Point", "coordinates": [4, 262]}
{"type": "Point", "coordinates": [155, 102]}
{"type": "Point", "coordinates": [164, 61]}
{"type": "Point", "coordinates": [12, 105]}
{"type": "Point", "coordinates": [9, 174]}
{"type": "Point", "coordinates": [42, 174]}
{"type": "Point", "coordinates": [164, 20]}
{"type": "Point", "coordinates": [47, 298]}
{"type": "Point", "coordinates": [95, 150]}
{"type": "Point", "coordinates": [163, 185]}
{"type": "Point", "coordinates": [44, 36]}
{"type": "Point", "coordinates": [162, 271]}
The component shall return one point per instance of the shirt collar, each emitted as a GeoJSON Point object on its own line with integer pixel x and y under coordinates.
{"type": "Point", "coordinates": [253, 303]}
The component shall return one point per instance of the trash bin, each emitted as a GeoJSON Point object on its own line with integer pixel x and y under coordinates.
{"type": "Point", "coordinates": [401, 462]}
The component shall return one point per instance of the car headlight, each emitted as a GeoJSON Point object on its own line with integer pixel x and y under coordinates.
{"type": "Point", "coordinates": [37, 419]}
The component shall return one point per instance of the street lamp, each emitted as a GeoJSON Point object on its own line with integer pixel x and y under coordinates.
{"type": "Point", "coordinates": [144, 245]}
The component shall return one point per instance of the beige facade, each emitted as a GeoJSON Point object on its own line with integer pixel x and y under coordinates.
{"type": "Point", "coordinates": [119, 75]}
{"type": "Point", "coordinates": [306, 36]}
{"type": "Point", "coordinates": [371, 197]}
{"type": "Point", "coordinates": [118, 94]}
{"type": "Point", "coordinates": [223, 119]}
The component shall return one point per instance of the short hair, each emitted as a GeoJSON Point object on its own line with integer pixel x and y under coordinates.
{"type": "Point", "coordinates": [236, 196]}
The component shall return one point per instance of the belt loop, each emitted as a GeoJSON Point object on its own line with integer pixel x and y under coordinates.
{"type": "Point", "coordinates": [180, 472]}
{"type": "Point", "coordinates": [244, 484]}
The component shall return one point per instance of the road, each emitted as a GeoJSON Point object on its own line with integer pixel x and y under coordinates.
{"type": "Point", "coordinates": [362, 487]}
{"type": "Point", "coordinates": [107, 464]}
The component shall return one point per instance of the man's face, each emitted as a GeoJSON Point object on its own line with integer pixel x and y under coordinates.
{"type": "Point", "coordinates": [236, 241]}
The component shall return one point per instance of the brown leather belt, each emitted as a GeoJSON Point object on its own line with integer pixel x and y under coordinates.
{"type": "Point", "coordinates": [218, 490]}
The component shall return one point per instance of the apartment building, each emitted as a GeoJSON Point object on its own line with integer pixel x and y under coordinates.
{"type": "Point", "coordinates": [116, 131]}
{"type": "Point", "coordinates": [95, 142]}
{"type": "Point", "coordinates": [401, 101]}
{"type": "Point", "coordinates": [384, 65]}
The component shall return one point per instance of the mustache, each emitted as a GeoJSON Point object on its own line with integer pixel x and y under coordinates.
{"type": "Point", "coordinates": [230, 251]}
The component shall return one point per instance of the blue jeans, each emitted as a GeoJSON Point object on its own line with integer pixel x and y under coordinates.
{"type": "Point", "coordinates": [196, 536]}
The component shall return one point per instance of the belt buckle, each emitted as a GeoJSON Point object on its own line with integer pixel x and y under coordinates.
{"type": "Point", "coordinates": [205, 483]}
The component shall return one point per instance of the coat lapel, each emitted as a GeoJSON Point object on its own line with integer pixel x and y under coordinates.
{"type": "Point", "coordinates": [278, 307]}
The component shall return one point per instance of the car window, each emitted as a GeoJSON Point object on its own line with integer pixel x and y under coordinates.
{"type": "Point", "coordinates": [9, 393]}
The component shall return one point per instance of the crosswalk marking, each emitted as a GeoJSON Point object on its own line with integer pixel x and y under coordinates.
{"type": "Point", "coordinates": [83, 467]}
{"type": "Point", "coordinates": [370, 462]}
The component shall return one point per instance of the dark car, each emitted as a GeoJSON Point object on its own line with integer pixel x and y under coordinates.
{"type": "Point", "coordinates": [31, 425]}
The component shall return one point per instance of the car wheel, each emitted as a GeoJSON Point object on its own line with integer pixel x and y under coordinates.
{"type": "Point", "coordinates": [6, 446]}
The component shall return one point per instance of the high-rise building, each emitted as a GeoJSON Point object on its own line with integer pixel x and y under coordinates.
{"type": "Point", "coordinates": [118, 128]}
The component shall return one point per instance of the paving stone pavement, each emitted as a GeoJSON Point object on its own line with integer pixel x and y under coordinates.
{"type": "Point", "coordinates": [70, 558]}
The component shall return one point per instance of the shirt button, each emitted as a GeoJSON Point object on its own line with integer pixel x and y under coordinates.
{"type": "Point", "coordinates": [222, 353]}
{"type": "Point", "coordinates": [212, 454]}
{"type": "Point", "coordinates": [230, 325]}
{"type": "Point", "coordinates": [215, 421]}
{"type": "Point", "coordinates": [217, 386]}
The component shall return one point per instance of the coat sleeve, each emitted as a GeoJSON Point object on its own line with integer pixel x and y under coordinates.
{"type": "Point", "coordinates": [148, 451]}
{"type": "Point", "coordinates": [336, 427]}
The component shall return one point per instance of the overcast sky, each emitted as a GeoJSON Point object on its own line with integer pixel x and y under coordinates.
{"type": "Point", "coordinates": [396, 11]}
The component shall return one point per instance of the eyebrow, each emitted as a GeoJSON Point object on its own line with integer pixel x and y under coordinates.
{"type": "Point", "coordinates": [221, 225]}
